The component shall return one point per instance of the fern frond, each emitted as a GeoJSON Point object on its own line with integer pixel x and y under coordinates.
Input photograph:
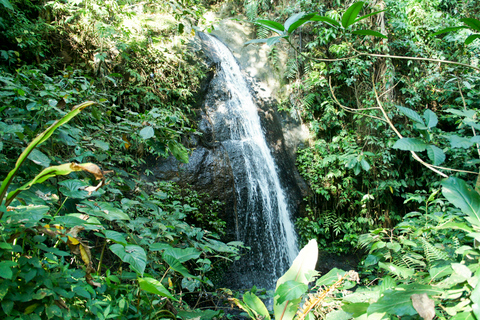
{"type": "Point", "coordinates": [251, 9]}
{"type": "Point", "coordinates": [291, 69]}
{"type": "Point", "coordinates": [433, 253]}
{"type": "Point", "coordinates": [263, 33]}
{"type": "Point", "coordinates": [309, 101]}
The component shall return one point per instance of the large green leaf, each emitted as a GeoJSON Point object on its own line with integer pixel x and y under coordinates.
{"type": "Point", "coordinates": [464, 197]}
{"type": "Point", "coordinates": [300, 271]}
{"type": "Point", "coordinates": [147, 132]}
{"type": "Point", "coordinates": [28, 214]}
{"type": "Point", "coordinates": [331, 277]}
{"type": "Point", "coordinates": [351, 14]}
{"type": "Point", "coordinates": [459, 142]}
{"type": "Point", "coordinates": [7, 4]}
{"type": "Point", "coordinates": [399, 271]}
{"type": "Point", "coordinates": [410, 144]}
{"type": "Point", "coordinates": [431, 118]}
{"type": "Point", "coordinates": [115, 236]}
{"type": "Point", "coordinates": [271, 25]}
{"type": "Point", "coordinates": [398, 302]}
{"type": "Point", "coordinates": [131, 254]}
{"type": "Point", "coordinates": [475, 298]}
{"type": "Point", "coordinates": [106, 210]}
{"type": "Point", "coordinates": [290, 290]}
{"type": "Point", "coordinates": [325, 19]}
{"type": "Point", "coordinates": [293, 19]}
{"type": "Point", "coordinates": [449, 29]}
{"type": "Point", "coordinates": [412, 114]}
{"type": "Point", "coordinates": [177, 266]}
{"type": "Point", "coordinates": [436, 155]}
{"type": "Point", "coordinates": [38, 140]}
{"type": "Point", "coordinates": [154, 286]}
{"type": "Point", "coordinates": [472, 23]}
{"type": "Point", "coordinates": [471, 38]}
{"type": "Point", "coordinates": [369, 15]}
{"type": "Point", "coordinates": [255, 304]}
{"type": "Point", "coordinates": [39, 158]}
{"type": "Point", "coordinates": [183, 255]}
{"type": "Point", "coordinates": [296, 24]}
{"type": "Point", "coordinates": [370, 33]}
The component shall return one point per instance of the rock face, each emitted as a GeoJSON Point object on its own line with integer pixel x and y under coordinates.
{"type": "Point", "coordinates": [210, 166]}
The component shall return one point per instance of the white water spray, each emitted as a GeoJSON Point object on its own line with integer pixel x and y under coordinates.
{"type": "Point", "coordinates": [264, 221]}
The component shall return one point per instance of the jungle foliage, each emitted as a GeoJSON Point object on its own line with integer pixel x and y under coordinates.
{"type": "Point", "coordinates": [89, 91]}
{"type": "Point", "coordinates": [393, 156]}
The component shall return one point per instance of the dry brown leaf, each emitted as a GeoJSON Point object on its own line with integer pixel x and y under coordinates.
{"type": "Point", "coordinates": [424, 305]}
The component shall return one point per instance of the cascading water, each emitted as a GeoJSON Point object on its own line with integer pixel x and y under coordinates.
{"type": "Point", "coordinates": [263, 218]}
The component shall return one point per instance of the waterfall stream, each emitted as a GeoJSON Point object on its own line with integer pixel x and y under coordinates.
{"type": "Point", "coordinates": [263, 219]}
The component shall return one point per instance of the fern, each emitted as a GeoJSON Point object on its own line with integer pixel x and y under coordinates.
{"type": "Point", "coordinates": [292, 69]}
{"type": "Point", "coordinates": [309, 100]}
{"type": "Point", "coordinates": [273, 59]}
{"type": "Point", "coordinates": [263, 33]}
{"type": "Point", "coordinates": [251, 9]}
{"type": "Point", "coordinates": [433, 253]}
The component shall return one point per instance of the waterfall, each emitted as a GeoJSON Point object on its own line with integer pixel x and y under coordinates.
{"type": "Point", "coordinates": [263, 218]}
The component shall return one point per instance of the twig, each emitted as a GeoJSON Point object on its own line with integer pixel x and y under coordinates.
{"type": "Point", "coordinates": [414, 154]}
{"type": "Point", "coordinates": [352, 110]}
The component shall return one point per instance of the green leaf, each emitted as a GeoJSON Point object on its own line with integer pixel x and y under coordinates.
{"type": "Point", "coordinates": [436, 155]}
{"type": "Point", "coordinates": [73, 188]}
{"type": "Point", "coordinates": [154, 286]}
{"type": "Point", "coordinates": [256, 41]}
{"type": "Point", "coordinates": [325, 19]}
{"type": "Point", "coordinates": [31, 214]}
{"type": "Point", "coordinates": [53, 311]}
{"type": "Point", "coordinates": [430, 118]}
{"type": "Point", "coordinates": [370, 33]}
{"type": "Point", "coordinates": [271, 25]}
{"type": "Point", "coordinates": [397, 302]}
{"type": "Point", "coordinates": [101, 144]}
{"type": "Point", "coordinates": [300, 270]}
{"type": "Point", "coordinates": [39, 158]}
{"type": "Point", "coordinates": [472, 23]}
{"type": "Point", "coordinates": [369, 15]}
{"type": "Point", "coordinates": [115, 236]}
{"type": "Point", "coordinates": [177, 266]}
{"type": "Point", "coordinates": [403, 272]}
{"type": "Point", "coordinates": [290, 290]}
{"type": "Point", "coordinates": [449, 29]}
{"type": "Point", "coordinates": [356, 309]}
{"type": "Point", "coordinates": [147, 133]}
{"type": "Point", "coordinates": [471, 38]}
{"type": "Point", "coordinates": [464, 316]}
{"type": "Point", "coordinates": [459, 142]}
{"type": "Point", "coordinates": [410, 144]}
{"type": "Point", "coordinates": [7, 4]}
{"type": "Point", "coordinates": [295, 25]}
{"type": "Point", "coordinates": [288, 25]}
{"type": "Point", "coordinates": [469, 113]}
{"type": "Point", "coordinates": [131, 254]}
{"type": "Point", "coordinates": [6, 269]}
{"type": "Point", "coordinates": [330, 278]}
{"type": "Point", "coordinates": [464, 197]}
{"type": "Point", "coordinates": [183, 255]}
{"type": "Point", "coordinates": [351, 14]}
{"type": "Point", "coordinates": [273, 40]}
{"type": "Point", "coordinates": [475, 298]}
{"type": "Point", "coordinates": [255, 304]}
{"type": "Point", "coordinates": [412, 114]}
